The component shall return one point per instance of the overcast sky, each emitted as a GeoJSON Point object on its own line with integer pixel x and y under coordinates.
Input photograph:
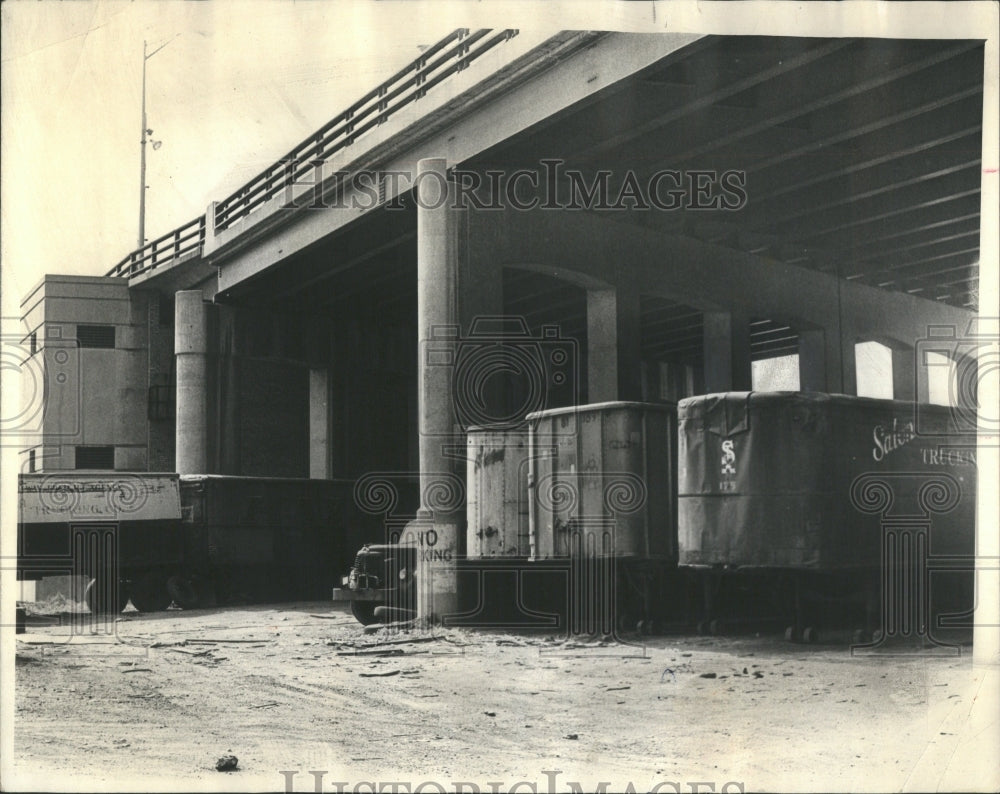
{"type": "Point", "coordinates": [237, 85]}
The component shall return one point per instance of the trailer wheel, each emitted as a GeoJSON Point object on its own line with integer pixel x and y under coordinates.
{"type": "Point", "coordinates": [184, 591]}
{"type": "Point", "coordinates": [364, 611]}
{"type": "Point", "coordinates": [149, 592]}
{"type": "Point", "coordinates": [626, 622]}
{"type": "Point", "coordinates": [99, 600]}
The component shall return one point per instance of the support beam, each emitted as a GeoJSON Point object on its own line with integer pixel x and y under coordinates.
{"type": "Point", "coordinates": [319, 424]}
{"type": "Point", "coordinates": [436, 528]}
{"type": "Point", "coordinates": [727, 352]}
{"type": "Point", "coordinates": [843, 364]}
{"type": "Point", "coordinates": [602, 346]}
{"type": "Point", "coordinates": [191, 351]}
{"type": "Point", "coordinates": [827, 362]}
{"type": "Point", "coordinates": [614, 370]}
{"type": "Point", "coordinates": [488, 400]}
{"type": "Point", "coordinates": [906, 383]}
{"type": "Point", "coordinates": [813, 374]}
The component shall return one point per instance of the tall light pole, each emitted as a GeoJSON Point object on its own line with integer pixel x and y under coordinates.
{"type": "Point", "coordinates": [142, 144]}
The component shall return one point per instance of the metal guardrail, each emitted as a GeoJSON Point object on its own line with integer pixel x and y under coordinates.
{"type": "Point", "coordinates": [451, 54]}
{"type": "Point", "coordinates": [183, 240]}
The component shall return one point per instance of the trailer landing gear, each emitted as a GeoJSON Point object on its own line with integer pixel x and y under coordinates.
{"type": "Point", "coordinates": [185, 591]}
{"type": "Point", "coordinates": [105, 595]}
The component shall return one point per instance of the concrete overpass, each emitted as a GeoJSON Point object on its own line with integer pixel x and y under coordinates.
{"type": "Point", "coordinates": [677, 206]}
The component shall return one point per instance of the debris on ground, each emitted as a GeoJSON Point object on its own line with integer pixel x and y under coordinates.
{"type": "Point", "coordinates": [227, 763]}
{"type": "Point", "coordinates": [373, 652]}
{"type": "Point", "coordinates": [190, 652]}
{"type": "Point", "coordinates": [397, 626]}
{"type": "Point", "coordinates": [56, 604]}
{"type": "Point", "coordinates": [214, 640]}
{"type": "Point", "coordinates": [459, 676]}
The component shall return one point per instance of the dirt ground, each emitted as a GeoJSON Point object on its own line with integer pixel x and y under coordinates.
{"type": "Point", "coordinates": [153, 702]}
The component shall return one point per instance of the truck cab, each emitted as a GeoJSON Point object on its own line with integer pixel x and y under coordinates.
{"type": "Point", "coordinates": [381, 585]}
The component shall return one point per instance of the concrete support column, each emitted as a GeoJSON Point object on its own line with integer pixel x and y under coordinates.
{"type": "Point", "coordinates": [436, 529]}
{"type": "Point", "coordinates": [602, 346]}
{"type": "Point", "coordinates": [480, 310]}
{"type": "Point", "coordinates": [905, 383]}
{"type": "Point", "coordinates": [813, 374]}
{"type": "Point", "coordinates": [842, 364]}
{"type": "Point", "coordinates": [964, 383]}
{"type": "Point", "coordinates": [191, 352]}
{"type": "Point", "coordinates": [319, 424]}
{"type": "Point", "coordinates": [695, 382]}
{"type": "Point", "coordinates": [614, 359]}
{"type": "Point", "coordinates": [727, 352]}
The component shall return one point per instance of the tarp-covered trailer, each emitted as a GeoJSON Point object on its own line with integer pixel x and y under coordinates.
{"type": "Point", "coordinates": [118, 529]}
{"type": "Point", "coordinates": [602, 485]}
{"type": "Point", "coordinates": [162, 538]}
{"type": "Point", "coordinates": [836, 497]}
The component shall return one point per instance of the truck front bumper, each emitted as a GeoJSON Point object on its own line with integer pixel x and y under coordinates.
{"type": "Point", "coordinates": [361, 594]}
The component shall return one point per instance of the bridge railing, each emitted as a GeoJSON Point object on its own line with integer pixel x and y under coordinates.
{"type": "Point", "coordinates": [451, 54]}
{"type": "Point", "coordinates": [163, 250]}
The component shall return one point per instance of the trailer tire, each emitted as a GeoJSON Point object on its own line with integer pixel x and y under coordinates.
{"type": "Point", "coordinates": [184, 591]}
{"type": "Point", "coordinates": [149, 592]}
{"type": "Point", "coordinates": [98, 600]}
{"type": "Point", "coordinates": [364, 611]}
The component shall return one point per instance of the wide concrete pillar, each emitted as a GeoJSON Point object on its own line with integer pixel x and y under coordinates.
{"type": "Point", "coordinates": [906, 383]}
{"type": "Point", "coordinates": [813, 360]}
{"type": "Point", "coordinates": [436, 528]}
{"type": "Point", "coordinates": [319, 424]}
{"type": "Point", "coordinates": [727, 352]}
{"type": "Point", "coordinates": [191, 354]}
{"type": "Point", "coordinates": [842, 364]}
{"type": "Point", "coordinates": [826, 362]}
{"type": "Point", "coordinates": [614, 358]}
{"type": "Point", "coordinates": [481, 311]}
